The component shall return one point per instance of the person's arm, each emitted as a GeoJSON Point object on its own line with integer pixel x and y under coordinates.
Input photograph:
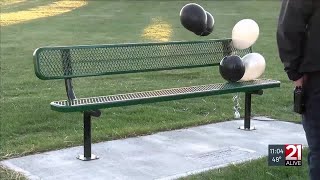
{"type": "Point", "coordinates": [291, 35]}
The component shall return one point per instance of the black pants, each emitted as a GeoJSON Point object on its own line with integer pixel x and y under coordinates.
{"type": "Point", "coordinates": [311, 123]}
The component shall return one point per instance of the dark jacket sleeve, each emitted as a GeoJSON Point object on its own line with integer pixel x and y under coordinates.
{"type": "Point", "coordinates": [291, 34]}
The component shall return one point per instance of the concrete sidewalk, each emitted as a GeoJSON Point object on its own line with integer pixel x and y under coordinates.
{"type": "Point", "coordinates": [164, 155]}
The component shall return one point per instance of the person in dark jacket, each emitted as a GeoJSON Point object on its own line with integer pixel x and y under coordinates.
{"type": "Point", "coordinates": [298, 40]}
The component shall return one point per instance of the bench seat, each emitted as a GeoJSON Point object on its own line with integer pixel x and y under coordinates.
{"type": "Point", "coordinates": [94, 103]}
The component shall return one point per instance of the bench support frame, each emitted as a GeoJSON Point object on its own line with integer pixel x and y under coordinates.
{"type": "Point", "coordinates": [247, 112]}
{"type": "Point", "coordinates": [87, 156]}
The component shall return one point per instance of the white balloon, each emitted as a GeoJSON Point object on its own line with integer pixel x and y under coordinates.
{"type": "Point", "coordinates": [245, 33]}
{"type": "Point", "coordinates": [255, 65]}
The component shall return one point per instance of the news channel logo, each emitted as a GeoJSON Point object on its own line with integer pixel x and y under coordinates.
{"type": "Point", "coordinates": [285, 155]}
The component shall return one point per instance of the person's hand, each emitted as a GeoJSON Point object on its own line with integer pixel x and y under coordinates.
{"type": "Point", "coordinates": [299, 82]}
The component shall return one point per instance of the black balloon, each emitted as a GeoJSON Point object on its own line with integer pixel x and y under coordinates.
{"type": "Point", "coordinates": [209, 25]}
{"type": "Point", "coordinates": [232, 68]}
{"type": "Point", "coordinates": [194, 18]}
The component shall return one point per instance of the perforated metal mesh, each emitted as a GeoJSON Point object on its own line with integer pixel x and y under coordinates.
{"type": "Point", "coordinates": [76, 61]}
{"type": "Point", "coordinates": [260, 84]}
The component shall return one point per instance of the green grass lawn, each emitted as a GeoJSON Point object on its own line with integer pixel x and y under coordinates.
{"type": "Point", "coordinates": [7, 174]}
{"type": "Point", "coordinates": [27, 123]}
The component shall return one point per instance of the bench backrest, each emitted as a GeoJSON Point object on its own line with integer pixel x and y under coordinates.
{"type": "Point", "coordinates": [80, 61]}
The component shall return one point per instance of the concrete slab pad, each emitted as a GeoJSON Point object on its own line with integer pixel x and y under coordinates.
{"type": "Point", "coordinates": [164, 155]}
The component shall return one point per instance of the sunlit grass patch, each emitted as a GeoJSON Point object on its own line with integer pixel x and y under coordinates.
{"type": "Point", "coordinates": [10, 2]}
{"type": "Point", "coordinates": [56, 8]}
{"type": "Point", "coordinates": [158, 30]}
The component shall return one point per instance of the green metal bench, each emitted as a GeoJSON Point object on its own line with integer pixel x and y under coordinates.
{"type": "Point", "coordinates": [69, 62]}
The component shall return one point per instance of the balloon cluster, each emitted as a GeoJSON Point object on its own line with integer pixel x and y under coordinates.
{"type": "Point", "coordinates": [245, 33]}
{"type": "Point", "coordinates": [195, 19]}
{"type": "Point", "coordinates": [251, 66]}
{"type": "Point", "coordinates": [233, 68]}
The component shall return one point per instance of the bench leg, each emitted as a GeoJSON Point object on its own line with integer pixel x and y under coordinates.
{"type": "Point", "coordinates": [247, 113]}
{"type": "Point", "coordinates": [87, 156]}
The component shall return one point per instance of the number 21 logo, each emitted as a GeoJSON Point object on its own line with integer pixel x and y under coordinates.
{"type": "Point", "coordinates": [293, 152]}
